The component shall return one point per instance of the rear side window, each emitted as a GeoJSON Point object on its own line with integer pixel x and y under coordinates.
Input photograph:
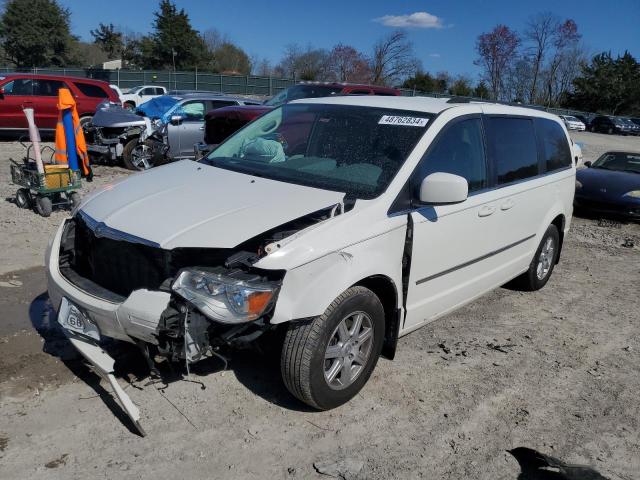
{"type": "Point", "coordinates": [458, 150]}
{"type": "Point", "coordinates": [214, 104]}
{"type": "Point", "coordinates": [91, 90]}
{"type": "Point", "coordinates": [48, 88]}
{"type": "Point", "coordinates": [512, 148]}
{"type": "Point", "coordinates": [557, 154]}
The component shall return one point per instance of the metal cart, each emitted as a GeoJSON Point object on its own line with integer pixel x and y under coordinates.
{"type": "Point", "coordinates": [57, 186]}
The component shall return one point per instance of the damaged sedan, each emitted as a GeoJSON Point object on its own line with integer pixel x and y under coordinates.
{"type": "Point", "coordinates": [342, 223]}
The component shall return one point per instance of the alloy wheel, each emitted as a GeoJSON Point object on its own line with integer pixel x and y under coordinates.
{"type": "Point", "coordinates": [348, 350]}
{"type": "Point", "coordinates": [545, 260]}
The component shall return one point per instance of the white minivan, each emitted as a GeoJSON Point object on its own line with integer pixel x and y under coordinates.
{"type": "Point", "coordinates": [343, 222]}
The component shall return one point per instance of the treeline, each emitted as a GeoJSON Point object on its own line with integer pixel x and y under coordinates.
{"type": "Point", "coordinates": [545, 64]}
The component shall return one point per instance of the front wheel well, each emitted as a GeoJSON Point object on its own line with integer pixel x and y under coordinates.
{"type": "Point", "coordinates": [386, 291]}
{"type": "Point", "coordinates": [559, 222]}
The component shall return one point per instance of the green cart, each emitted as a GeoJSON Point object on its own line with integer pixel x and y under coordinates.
{"type": "Point", "coordinates": [57, 186]}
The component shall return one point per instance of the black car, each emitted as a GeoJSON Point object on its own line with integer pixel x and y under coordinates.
{"type": "Point", "coordinates": [611, 185]}
{"type": "Point", "coordinates": [635, 120]}
{"type": "Point", "coordinates": [633, 126]}
{"type": "Point", "coordinates": [610, 125]}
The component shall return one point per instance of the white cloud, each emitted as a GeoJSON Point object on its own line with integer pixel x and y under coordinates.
{"type": "Point", "coordinates": [416, 20]}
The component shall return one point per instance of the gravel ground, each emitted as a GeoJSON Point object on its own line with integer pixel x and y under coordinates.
{"type": "Point", "coordinates": [555, 370]}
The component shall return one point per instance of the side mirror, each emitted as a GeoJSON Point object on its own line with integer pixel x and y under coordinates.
{"type": "Point", "coordinates": [587, 164]}
{"type": "Point", "coordinates": [443, 187]}
{"type": "Point", "coordinates": [1, 91]}
{"type": "Point", "coordinates": [176, 120]}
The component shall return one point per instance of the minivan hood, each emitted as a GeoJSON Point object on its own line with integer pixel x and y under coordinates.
{"type": "Point", "coordinates": [188, 204]}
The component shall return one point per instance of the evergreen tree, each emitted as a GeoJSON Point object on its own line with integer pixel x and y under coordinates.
{"type": "Point", "coordinates": [173, 39]}
{"type": "Point", "coordinates": [608, 85]}
{"type": "Point", "coordinates": [108, 39]}
{"type": "Point", "coordinates": [35, 33]}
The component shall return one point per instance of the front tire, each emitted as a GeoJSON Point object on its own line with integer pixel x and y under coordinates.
{"type": "Point", "coordinates": [327, 360]}
{"type": "Point", "coordinates": [44, 205]}
{"type": "Point", "coordinates": [544, 260]}
{"type": "Point", "coordinates": [137, 156]}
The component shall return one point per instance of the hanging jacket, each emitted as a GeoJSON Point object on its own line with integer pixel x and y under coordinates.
{"type": "Point", "coordinates": [66, 101]}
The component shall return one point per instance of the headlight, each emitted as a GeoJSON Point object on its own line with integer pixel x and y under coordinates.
{"type": "Point", "coordinates": [633, 194]}
{"type": "Point", "coordinates": [578, 185]}
{"type": "Point", "coordinates": [222, 298]}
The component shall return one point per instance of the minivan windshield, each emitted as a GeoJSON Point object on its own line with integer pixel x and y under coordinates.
{"type": "Point", "coordinates": [345, 148]}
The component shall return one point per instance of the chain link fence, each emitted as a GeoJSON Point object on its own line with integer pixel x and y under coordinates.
{"type": "Point", "coordinates": [233, 84]}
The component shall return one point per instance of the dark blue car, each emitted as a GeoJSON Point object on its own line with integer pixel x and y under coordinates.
{"type": "Point", "coordinates": [611, 185]}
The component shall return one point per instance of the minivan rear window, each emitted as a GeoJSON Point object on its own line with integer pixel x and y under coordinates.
{"type": "Point", "coordinates": [557, 154]}
{"type": "Point", "coordinates": [91, 90]}
{"type": "Point", "coordinates": [512, 148]}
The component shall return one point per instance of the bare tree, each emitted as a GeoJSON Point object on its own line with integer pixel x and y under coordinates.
{"type": "Point", "coordinates": [213, 39]}
{"type": "Point", "coordinates": [346, 64]}
{"type": "Point", "coordinates": [565, 38]}
{"type": "Point", "coordinates": [392, 59]}
{"type": "Point", "coordinates": [305, 64]}
{"type": "Point", "coordinates": [540, 31]}
{"type": "Point", "coordinates": [497, 50]}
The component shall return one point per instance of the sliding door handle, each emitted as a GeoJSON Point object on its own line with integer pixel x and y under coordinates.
{"type": "Point", "coordinates": [486, 210]}
{"type": "Point", "coordinates": [507, 204]}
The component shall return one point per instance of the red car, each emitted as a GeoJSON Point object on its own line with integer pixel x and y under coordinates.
{"type": "Point", "coordinates": [19, 90]}
{"type": "Point", "coordinates": [221, 123]}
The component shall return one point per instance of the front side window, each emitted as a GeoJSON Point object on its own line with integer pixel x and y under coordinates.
{"type": "Point", "coordinates": [458, 150]}
{"type": "Point", "coordinates": [512, 148]}
{"type": "Point", "coordinates": [19, 86]}
{"type": "Point", "coordinates": [191, 111]}
{"type": "Point", "coordinates": [351, 149]}
{"type": "Point", "coordinates": [557, 153]}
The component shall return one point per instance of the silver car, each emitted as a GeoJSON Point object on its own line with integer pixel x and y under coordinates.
{"type": "Point", "coordinates": [177, 123]}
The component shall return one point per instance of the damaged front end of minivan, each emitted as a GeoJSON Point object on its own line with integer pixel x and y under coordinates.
{"type": "Point", "coordinates": [180, 304]}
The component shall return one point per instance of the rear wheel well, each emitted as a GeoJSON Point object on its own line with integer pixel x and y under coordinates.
{"type": "Point", "coordinates": [386, 291]}
{"type": "Point", "coordinates": [559, 222]}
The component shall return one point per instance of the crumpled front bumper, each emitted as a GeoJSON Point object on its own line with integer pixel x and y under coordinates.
{"type": "Point", "coordinates": [135, 318]}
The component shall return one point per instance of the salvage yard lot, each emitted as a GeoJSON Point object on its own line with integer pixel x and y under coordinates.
{"type": "Point", "coordinates": [555, 370]}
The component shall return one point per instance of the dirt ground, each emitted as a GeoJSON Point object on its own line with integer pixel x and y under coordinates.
{"type": "Point", "coordinates": [555, 370]}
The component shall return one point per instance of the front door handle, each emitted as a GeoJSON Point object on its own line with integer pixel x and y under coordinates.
{"type": "Point", "coordinates": [486, 210]}
{"type": "Point", "coordinates": [507, 204]}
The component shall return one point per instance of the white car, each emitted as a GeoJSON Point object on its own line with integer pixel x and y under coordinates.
{"type": "Point", "coordinates": [138, 95]}
{"type": "Point", "coordinates": [347, 222]}
{"type": "Point", "coordinates": [573, 123]}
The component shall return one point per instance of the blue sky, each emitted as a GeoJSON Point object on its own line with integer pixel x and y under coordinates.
{"type": "Point", "coordinates": [444, 39]}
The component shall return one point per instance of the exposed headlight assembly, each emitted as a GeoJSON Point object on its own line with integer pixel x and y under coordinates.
{"type": "Point", "coordinates": [223, 298]}
{"type": "Point", "coordinates": [632, 194]}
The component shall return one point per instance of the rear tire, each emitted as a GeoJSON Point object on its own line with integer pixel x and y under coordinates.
{"type": "Point", "coordinates": [327, 360]}
{"type": "Point", "coordinates": [129, 106]}
{"type": "Point", "coordinates": [543, 261]}
{"type": "Point", "coordinates": [44, 206]}
{"type": "Point", "coordinates": [23, 198]}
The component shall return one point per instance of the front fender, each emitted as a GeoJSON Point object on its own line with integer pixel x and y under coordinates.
{"type": "Point", "coordinates": [307, 290]}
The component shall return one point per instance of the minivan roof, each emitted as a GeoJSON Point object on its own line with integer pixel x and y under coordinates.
{"type": "Point", "coordinates": [421, 104]}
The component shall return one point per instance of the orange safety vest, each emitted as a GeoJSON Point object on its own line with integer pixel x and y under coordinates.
{"type": "Point", "coordinates": [65, 101]}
